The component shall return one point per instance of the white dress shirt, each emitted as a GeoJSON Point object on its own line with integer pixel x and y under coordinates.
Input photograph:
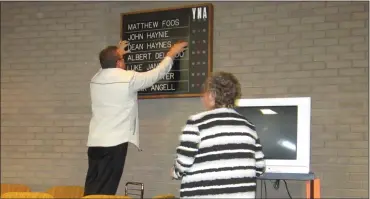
{"type": "Point", "coordinates": [114, 103]}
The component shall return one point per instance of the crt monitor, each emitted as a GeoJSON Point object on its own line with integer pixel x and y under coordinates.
{"type": "Point", "coordinates": [276, 127]}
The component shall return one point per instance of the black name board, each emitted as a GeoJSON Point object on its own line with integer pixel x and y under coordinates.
{"type": "Point", "coordinates": [152, 33]}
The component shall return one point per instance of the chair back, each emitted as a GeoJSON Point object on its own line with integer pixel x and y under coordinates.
{"type": "Point", "coordinates": [137, 190]}
{"type": "Point", "coordinates": [107, 196]}
{"type": "Point", "coordinates": [14, 188]}
{"type": "Point", "coordinates": [66, 191]}
{"type": "Point", "coordinates": [17, 195]}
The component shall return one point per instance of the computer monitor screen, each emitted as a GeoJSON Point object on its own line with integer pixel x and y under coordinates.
{"type": "Point", "coordinates": [276, 127]}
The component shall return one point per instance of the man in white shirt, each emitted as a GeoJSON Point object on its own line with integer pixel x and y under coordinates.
{"type": "Point", "coordinates": [114, 121]}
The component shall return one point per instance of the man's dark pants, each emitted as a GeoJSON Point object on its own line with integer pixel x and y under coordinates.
{"type": "Point", "coordinates": [105, 169]}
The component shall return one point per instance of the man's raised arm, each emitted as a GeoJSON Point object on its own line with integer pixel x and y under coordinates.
{"type": "Point", "coordinates": [147, 79]}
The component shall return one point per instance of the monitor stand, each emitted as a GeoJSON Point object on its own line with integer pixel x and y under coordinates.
{"type": "Point", "coordinates": [292, 176]}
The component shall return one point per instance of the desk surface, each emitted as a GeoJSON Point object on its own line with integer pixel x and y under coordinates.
{"type": "Point", "coordinates": [287, 176]}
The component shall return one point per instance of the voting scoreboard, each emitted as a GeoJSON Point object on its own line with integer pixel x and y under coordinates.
{"type": "Point", "coordinates": [152, 33]}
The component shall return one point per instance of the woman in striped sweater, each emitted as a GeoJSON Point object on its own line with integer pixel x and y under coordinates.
{"type": "Point", "coordinates": [220, 154]}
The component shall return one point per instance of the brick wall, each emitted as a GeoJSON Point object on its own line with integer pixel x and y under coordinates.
{"type": "Point", "coordinates": [277, 49]}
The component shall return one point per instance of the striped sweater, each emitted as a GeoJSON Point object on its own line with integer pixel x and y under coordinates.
{"type": "Point", "coordinates": [219, 156]}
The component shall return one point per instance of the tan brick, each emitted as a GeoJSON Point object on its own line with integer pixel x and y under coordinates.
{"type": "Point", "coordinates": [288, 6]}
{"type": "Point", "coordinates": [336, 144]}
{"type": "Point", "coordinates": [361, 47]}
{"type": "Point", "coordinates": [338, 33]}
{"type": "Point", "coordinates": [287, 67]}
{"type": "Point", "coordinates": [327, 10]}
{"type": "Point", "coordinates": [287, 37]}
{"type": "Point", "coordinates": [352, 8]}
{"type": "Point", "coordinates": [255, 46]}
{"type": "Point", "coordinates": [301, 43]}
{"type": "Point", "coordinates": [288, 21]}
{"type": "Point", "coordinates": [313, 66]}
{"type": "Point", "coordinates": [302, 12]}
{"type": "Point", "coordinates": [350, 136]}
{"type": "Point", "coordinates": [276, 90]}
{"type": "Point", "coordinates": [253, 17]}
{"type": "Point", "coordinates": [273, 60]}
{"type": "Point", "coordinates": [275, 30]}
{"type": "Point", "coordinates": [325, 57]}
{"type": "Point", "coordinates": [359, 160]}
{"type": "Point", "coordinates": [353, 56]}
{"type": "Point", "coordinates": [284, 52]}
{"type": "Point", "coordinates": [358, 176]}
{"type": "Point", "coordinates": [338, 64]}
{"type": "Point", "coordinates": [299, 74]}
{"type": "Point", "coordinates": [337, 17]}
{"type": "Point", "coordinates": [325, 89]}
{"type": "Point", "coordinates": [301, 28]}
{"type": "Point", "coordinates": [313, 34]}
{"type": "Point", "coordinates": [266, 23]}
{"type": "Point", "coordinates": [241, 11]}
{"type": "Point", "coordinates": [360, 63]}
{"type": "Point", "coordinates": [71, 142]}
{"type": "Point", "coordinates": [325, 26]}
{"type": "Point", "coordinates": [325, 42]}
{"type": "Point", "coordinates": [242, 25]}
{"type": "Point", "coordinates": [352, 71]}
{"type": "Point", "coordinates": [338, 49]}
{"type": "Point", "coordinates": [264, 53]}
{"type": "Point", "coordinates": [276, 45]}
{"type": "Point", "coordinates": [313, 50]}
{"type": "Point", "coordinates": [77, 13]}
{"type": "Point", "coordinates": [263, 69]}
{"type": "Point", "coordinates": [324, 152]}
{"type": "Point", "coordinates": [265, 38]}
{"type": "Point", "coordinates": [360, 15]}
{"type": "Point", "coordinates": [326, 73]}
{"type": "Point", "coordinates": [359, 144]}
{"type": "Point", "coordinates": [92, 13]}
{"type": "Point", "coordinates": [265, 9]}
{"type": "Point", "coordinates": [312, 4]}
{"type": "Point", "coordinates": [56, 27]}
{"type": "Point", "coordinates": [360, 31]}
{"type": "Point", "coordinates": [352, 24]}
{"type": "Point", "coordinates": [352, 40]}
{"type": "Point", "coordinates": [313, 19]}
{"type": "Point", "coordinates": [230, 48]}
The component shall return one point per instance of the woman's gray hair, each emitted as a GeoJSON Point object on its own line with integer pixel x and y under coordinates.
{"type": "Point", "coordinates": [225, 88]}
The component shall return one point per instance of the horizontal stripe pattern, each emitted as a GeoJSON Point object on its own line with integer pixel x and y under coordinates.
{"type": "Point", "coordinates": [219, 156]}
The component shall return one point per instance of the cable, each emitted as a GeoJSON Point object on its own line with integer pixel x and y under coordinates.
{"type": "Point", "coordinates": [287, 189]}
{"type": "Point", "coordinates": [276, 184]}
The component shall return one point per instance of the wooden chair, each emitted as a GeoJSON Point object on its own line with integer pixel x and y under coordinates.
{"type": "Point", "coordinates": [167, 196]}
{"type": "Point", "coordinates": [14, 188]}
{"type": "Point", "coordinates": [107, 196]}
{"type": "Point", "coordinates": [17, 195]}
{"type": "Point", "coordinates": [66, 191]}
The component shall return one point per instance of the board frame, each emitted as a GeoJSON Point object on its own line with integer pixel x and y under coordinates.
{"type": "Point", "coordinates": [210, 44]}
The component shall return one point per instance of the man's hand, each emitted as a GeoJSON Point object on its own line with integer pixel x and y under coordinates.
{"type": "Point", "coordinates": [176, 49]}
{"type": "Point", "coordinates": [121, 48]}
